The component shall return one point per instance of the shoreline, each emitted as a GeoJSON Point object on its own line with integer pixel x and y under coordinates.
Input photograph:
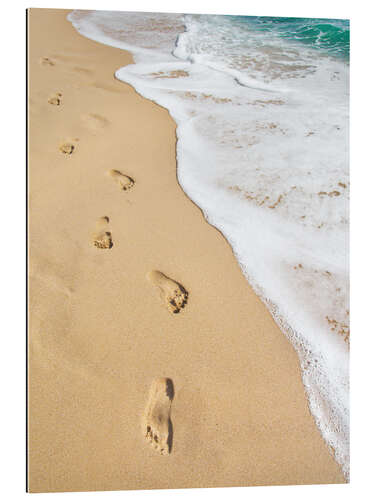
{"type": "Point", "coordinates": [98, 333]}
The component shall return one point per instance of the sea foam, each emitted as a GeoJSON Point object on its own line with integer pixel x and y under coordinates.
{"type": "Point", "coordinates": [262, 128]}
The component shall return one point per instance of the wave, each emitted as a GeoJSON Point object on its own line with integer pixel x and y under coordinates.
{"type": "Point", "coordinates": [261, 106]}
{"type": "Point", "coordinates": [330, 35]}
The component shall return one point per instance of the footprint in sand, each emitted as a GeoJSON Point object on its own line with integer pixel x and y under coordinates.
{"type": "Point", "coordinates": [124, 181]}
{"type": "Point", "coordinates": [46, 61]}
{"type": "Point", "coordinates": [56, 99]}
{"type": "Point", "coordinates": [157, 423]}
{"type": "Point", "coordinates": [94, 122]}
{"type": "Point", "coordinates": [67, 148]}
{"type": "Point", "coordinates": [172, 293]}
{"type": "Point", "coordinates": [81, 70]}
{"type": "Point", "coordinates": [102, 238]}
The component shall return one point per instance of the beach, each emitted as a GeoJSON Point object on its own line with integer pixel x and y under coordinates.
{"type": "Point", "coordinates": [100, 334]}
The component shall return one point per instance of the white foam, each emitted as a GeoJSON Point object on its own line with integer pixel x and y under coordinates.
{"type": "Point", "coordinates": [263, 150]}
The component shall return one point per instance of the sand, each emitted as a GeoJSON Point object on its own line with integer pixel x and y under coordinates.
{"type": "Point", "coordinates": [105, 212]}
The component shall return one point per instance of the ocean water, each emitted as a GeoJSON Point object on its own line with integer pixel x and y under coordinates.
{"type": "Point", "coordinates": [262, 110]}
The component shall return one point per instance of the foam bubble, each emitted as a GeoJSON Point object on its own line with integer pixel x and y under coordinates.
{"type": "Point", "coordinates": [262, 128]}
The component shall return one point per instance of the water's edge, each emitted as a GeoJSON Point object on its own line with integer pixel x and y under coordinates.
{"type": "Point", "coordinates": [305, 352]}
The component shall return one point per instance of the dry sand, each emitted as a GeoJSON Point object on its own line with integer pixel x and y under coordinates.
{"type": "Point", "coordinates": [101, 334]}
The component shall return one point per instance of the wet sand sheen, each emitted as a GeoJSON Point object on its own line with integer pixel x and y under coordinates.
{"type": "Point", "coordinates": [99, 335]}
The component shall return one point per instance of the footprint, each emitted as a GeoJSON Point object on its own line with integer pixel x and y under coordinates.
{"type": "Point", "coordinates": [172, 293]}
{"type": "Point", "coordinates": [67, 148]}
{"type": "Point", "coordinates": [84, 71]}
{"type": "Point", "coordinates": [55, 99]}
{"type": "Point", "coordinates": [94, 122]}
{"type": "Point", "coordinates": [46, 61]}
{"type": "Point", "coordinates": [123, 180]}
{"type": "Point", "coordinates": [102, 238]}
{"type": "Point", "coordinates": [157, 423]}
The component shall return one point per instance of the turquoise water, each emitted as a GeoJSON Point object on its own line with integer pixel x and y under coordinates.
{"type": "Point", "coordinates": [330, 35]}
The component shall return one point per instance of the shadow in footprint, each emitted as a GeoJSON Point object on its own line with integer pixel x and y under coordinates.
{"type": "Point", "coordinates": [170, 436]}
{"type": "Point", "coordinates": [170, 393]}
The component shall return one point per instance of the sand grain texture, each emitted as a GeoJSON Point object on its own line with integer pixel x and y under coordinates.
{"type": "Point", "coordinates": [98, 333]}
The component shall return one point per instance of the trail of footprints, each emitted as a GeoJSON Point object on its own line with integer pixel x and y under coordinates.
{"type": "Point", "coordinates": [157, 425]}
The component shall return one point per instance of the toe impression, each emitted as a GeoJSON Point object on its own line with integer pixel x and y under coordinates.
{"type": "Point", "coordinates": [173, 293]}
{"type": "Point", "coordinates": [103, 238]}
